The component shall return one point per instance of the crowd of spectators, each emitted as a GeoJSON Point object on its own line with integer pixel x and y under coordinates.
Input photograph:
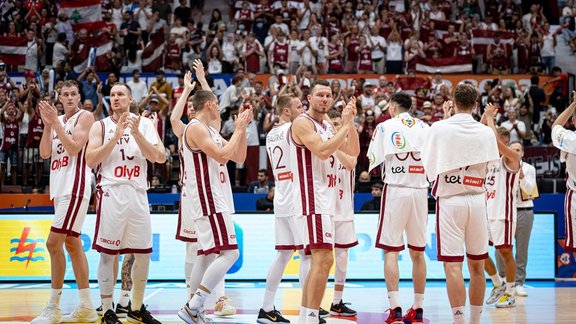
{"type": "Point", "coordinates": [295, 42]}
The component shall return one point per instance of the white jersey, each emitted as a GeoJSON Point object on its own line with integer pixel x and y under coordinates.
{"type": "Point", "coordinates": [404, 170]}
{"type": "Point", "coordinates": [69, 174]}
{"type": "Point", "coordinates": [126, 164]}
{"type": "Point", "coordinates": [314, 179]}
{"type": "Point", "coordinates": [278, 148]}
{"type": "Point", "coordinates": [565, 140]}
{"type": "Point", "coordinates": [206, 182]}
{"type": "Point", "coordinates": [463, 181]}
{"type": "Point", "coordinates": [344, 193]}
{"type": "Point", "coordinates": [501, 188]}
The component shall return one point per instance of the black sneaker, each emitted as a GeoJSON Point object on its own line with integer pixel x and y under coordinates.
{"type": "Point", "coordinates": [110, 318]}
{"type": "Point", "coordinates": [99, 309]}
{"type": "Point", "coordinates": [122, 311]}
{"type": "Point", "coordinates": [323, 313]}
{"type": "Point", "coordinates": [341, 309]}
{"type": "Point", "coordinates": [272, 316]}
{"type": "Point", "coordinates": [142, 316]}
{"type": "Point", "coordinates": [321, 320]}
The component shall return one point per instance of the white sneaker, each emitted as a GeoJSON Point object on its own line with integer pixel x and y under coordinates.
{"type": "Point", "coordinates": [495, 294]}
{"type": "Point", "coordinates": [506, 301]}
{"type": "Point", "coordinates": [51, 314]}
{"type": "Point", "coordinates": [193, 316]}
{"type": "Point", "coordinates": [223, 307]}
{"type": "Point", "coordinates": [81, 315]}
{"type": "Point", "coordinates": [521, 292]}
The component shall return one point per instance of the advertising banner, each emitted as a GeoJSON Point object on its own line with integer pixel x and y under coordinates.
{"type": "Point", "coordinates": [23, 254]}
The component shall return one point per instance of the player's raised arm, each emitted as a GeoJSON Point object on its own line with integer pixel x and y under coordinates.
{"type": "Point", "coordinates": [96, 152]}
{"type": "Point", "coordinates": [512, 157]}
{"type": "Point", "coordinates": [177, 124]}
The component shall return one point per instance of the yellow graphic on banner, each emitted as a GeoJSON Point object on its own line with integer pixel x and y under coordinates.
{"type": "Point", "coordinates": [23, 248]}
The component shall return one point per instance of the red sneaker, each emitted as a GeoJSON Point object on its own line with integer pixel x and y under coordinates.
{"type": "Point", "coordinates": [395, 316]}
{"type": "Point", "coordinates": [414, 315]}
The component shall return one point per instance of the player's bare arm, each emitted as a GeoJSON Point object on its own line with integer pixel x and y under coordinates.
{"type": "Point", "coordinates": [96, 152]}
{"type": "Point", "coordinates": [303, 133]}
{"type": "Point", "coordinates": [347, 160]}
{"type": "Point", "coordinates": [45, 147]}
{"type": "Point", "coordinates": [511, 158]}
{"type": "Point", "coordinates": [152, 152]}
{"type": "Point", "coordinates": [72, 143]}
{"type": "Point", "coordinates": [352, 145]}
{"type": "Point", "coordinates": [197, 135]}
{"type": "Point", "coordinates": [563, 118]}
{"type": "Point", "coordinates": [201, 74]}
{"type": "Point", "coordinates": [175, 121]}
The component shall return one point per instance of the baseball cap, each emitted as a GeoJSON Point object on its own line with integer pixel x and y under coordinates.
{"type": "Point", "coordinates": [427, 104]}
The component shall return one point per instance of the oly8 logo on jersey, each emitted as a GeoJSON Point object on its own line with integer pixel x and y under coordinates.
{"type": "Point", "coordinates": [58, 164]}
{"type": "Point", "coordinates": [123, 171]}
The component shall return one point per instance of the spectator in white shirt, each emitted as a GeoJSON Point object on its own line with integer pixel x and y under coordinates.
{"type": "Point", "coordinates": [378, 47]}
{"type": "Point", "coordinates": [230, 95]}
{"type": "Point", "coordinates": [516, 127]}
{"type": "Point", "coordinates": [279, 24]}
{"type": "Point", "coordinates": [230, 55]}
{"type": "Point", "coordinates": [60, 51]}
{"type": "Point", "coordinates": [138, 87]}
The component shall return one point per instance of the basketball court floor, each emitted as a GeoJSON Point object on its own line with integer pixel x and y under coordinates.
{"type": "Point", "coordinates": [548, 302]}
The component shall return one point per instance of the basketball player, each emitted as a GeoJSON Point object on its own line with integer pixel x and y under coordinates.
{"type": "Point", "coordinates": [565, 140]}
{"type": "Point", "coordinates": [206, 180]}
{"type": "Point", "coordinates": [186, 231]}
{"type": "Point", "coordinates": [344, 231]}
{"type": "Point", "coordinates": [404, 206]}
{"type": "Point", "coordinates": [64, 142]}
{"type": "Point", "coordinates": [502, 186]}
{"type": "Point", "coordinates": [455, 154]}
{"type": "Point", "coordinates": [289, 226]}
{"type": "Point", "coordinates": [120, 146]}
{"type": "Point", "coordinates": [312, 155]}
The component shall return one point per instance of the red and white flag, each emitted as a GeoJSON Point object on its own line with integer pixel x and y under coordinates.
{"type": "Point", "coordinates": [457, 64]}
{"type": "Point", "coordinates": [441, 27]}
{"type": "Point", "coordinates": [83, 14]}
{"type": "Point", "coordinates": [13, 50]}
{"type": "Point", "coordinates": [100, 45]}
{"type": "Point", "coordinates": [482, 38]}
{"type": "Point", "coordinates": [153, 54]}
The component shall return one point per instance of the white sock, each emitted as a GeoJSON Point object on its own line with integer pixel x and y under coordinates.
{"type": "Point", "coordinates": [139, 279]}
{"type": "Point", "coordinates": [198, 299]}
{"type": "Point", "coordinates": [302, 315]}
{"type": "Point", "coordinates": [55, 296]}
{"type": "Point", "coordinates": [124, 297]}
{"type": "Point", "coordinates": [311, 316]}
{"type": "Point", "coordinates": [268, 304]}
{"type": "Point", "coordinates": [188, 288]}
{"type": "Point", "coordinates": [85, 299]}
{"type": "Point", "coordinates": [418, 301]}
{"type": "Point", "coordinates": [459, 314]}
{"type": "Point", "coordinates": [217, 269]}
{"type": "Point", "coordinates": [475, 314]}
{"type": "Point", "coordinates": [107, 304]}
{"type": "Point", "coordinates": [510, 288]}
{"type": "Point", "coordinates": [496, 280]}
{"type": "Point", "coordinates": [337, 296]}
{"type": "Point", "coordinates": [394, 299]}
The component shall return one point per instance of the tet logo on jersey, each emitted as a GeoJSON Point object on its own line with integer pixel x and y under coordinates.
{"type": "Point", "coordinates": [398, 140]}
{"type": "Point", "coordinates": [408, 122]}
{"type": "Point", "coordinates": [26, 247]}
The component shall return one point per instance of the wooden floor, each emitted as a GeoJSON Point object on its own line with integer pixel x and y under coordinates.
{"type": "Point", "coordinates": [548, 302]}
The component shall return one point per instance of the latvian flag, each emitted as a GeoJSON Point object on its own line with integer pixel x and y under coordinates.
{"type": "Point", "coordinates": [153, 54]}
{"type": "Point", "coordinates": [13, 50]}
{"type": "Point", "coordinates": [83, 14]}
{"type": "Point", "coordinates": [456, 64]}
{"type": "Point", "coordinates": [102, 45]}
{"type": "Point", "coordinates": [482, 38]}
{"type": "Point", "coordinates": [440, 27]}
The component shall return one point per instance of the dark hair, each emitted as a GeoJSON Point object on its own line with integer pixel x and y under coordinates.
{"type": "Point", "coordinates": [333, 113]}
{"type": "Point", "coordinates": [465, 96]}
{"type": "Point", "coordinates": [403, 100]}
{"type": "Point", "coordinates": [70, 84]}
{"type": "Point", "coordinates": [125, 85]}
{"type": "Point", "coordinates": [556, 69]}
{"type": "Point", "coordinates": [200, 98]}
{"type": "Point", "coordinates": [534, 79]}
{"type": "Point", "coordinates": [263, 171]}
{"type": "Point", "coordinates": [283, 102]}
{"type": "Point", "coordinates": [61, 37]}
{"type": "Point", "coordinates": [319, 83]}
{"type": "Point", "coordinates": [135, 71]}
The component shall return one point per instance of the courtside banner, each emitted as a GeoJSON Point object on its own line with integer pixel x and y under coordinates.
{"type": "Point", "coordinates": [23, 254]}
